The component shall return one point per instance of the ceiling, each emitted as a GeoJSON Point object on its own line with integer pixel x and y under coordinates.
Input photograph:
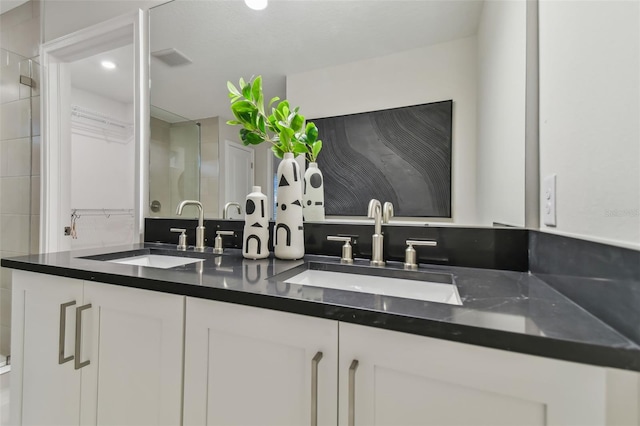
{"type": "Point", "coordinates": [116, 84]}
{"type": "Point", "coordinates": [227, 40]}
{"type": "Point", "coordinates": [7, 5]}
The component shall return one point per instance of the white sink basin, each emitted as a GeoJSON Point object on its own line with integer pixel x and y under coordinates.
{"type": "Point", "coordinates": [156, 261]}
{"type": "Point", "coordinates": [396, 287]}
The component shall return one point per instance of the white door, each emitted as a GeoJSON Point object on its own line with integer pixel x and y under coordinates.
{"type": "Point", "coordinates": [401, 379]}
{"type": "Point", "coordinates": [45, 389]}
{"type": "Point", "coordinates": [239, 175]}
{"type": "Point", "coordinates": [251, 366]}
{"type": "Point", "coordinates": [133, 340]}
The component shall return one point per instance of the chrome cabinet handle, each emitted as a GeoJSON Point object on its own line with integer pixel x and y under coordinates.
{"type": "Point", "coordinates": [78, 364]}
{"type": "Point", "coordinates": [63, 329]}
{"type": "Point", "coordinates": [314, 388]}
{"type": "Point", "coordinates": [352, 392]}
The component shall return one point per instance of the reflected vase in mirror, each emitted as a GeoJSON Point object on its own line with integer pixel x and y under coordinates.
{"type": "Point", "coordinates": [313, 194]}
{"type": "Point", "coordinates": [256, 226]}
{"type": "Point", "coordinates": [288, 233]}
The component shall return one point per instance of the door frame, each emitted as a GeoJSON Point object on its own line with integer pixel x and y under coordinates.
{"type": "Point", "coordinates": [56, 134]}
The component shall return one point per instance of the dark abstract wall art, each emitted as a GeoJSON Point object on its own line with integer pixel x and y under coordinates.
{"type": "Point", "coordinates": [402, 155]}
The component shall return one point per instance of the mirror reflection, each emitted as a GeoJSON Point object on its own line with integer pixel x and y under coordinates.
{"type": "Point", "coordinates": [174, 162]}
{"type": "Point", "coordinates": [339, 58]}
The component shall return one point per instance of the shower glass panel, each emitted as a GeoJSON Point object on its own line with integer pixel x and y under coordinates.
{"type": "Point", "coordinates": [174, 163]}
{"type": "Point", "coordinates": [19, 175]}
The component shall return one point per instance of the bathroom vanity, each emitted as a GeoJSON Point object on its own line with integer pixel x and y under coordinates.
{"type": "Point", "coordinates": [225, 340]}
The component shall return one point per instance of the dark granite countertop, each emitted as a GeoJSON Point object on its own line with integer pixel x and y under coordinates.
{"type": "Point", "coordinates": [507, 310]}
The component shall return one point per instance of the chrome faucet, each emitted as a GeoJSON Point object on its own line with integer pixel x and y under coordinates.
{"type": "Point", "coordinates": [200, 228]}
{"type": "Point", "coordinates": [375, 212]}
{"type": "Point", "coordinates": [387, 212]}
{"type": "Point", "coordinates": [225, 211]}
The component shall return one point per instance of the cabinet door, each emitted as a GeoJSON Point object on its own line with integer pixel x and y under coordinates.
{"type": "Point", "coordinates": [403, 379]}
{"type": "Point", "coordinates": [133, 341]}
{"type": "Point", "coordinates": [45, 389]}
{"type": "Point", "coordinates": [250, 366]}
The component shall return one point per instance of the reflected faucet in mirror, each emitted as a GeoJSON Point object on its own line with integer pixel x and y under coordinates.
{"type": "Point", "coordinates": [387, 212]}
{"type": "Point", "coordinates": [225, 212]}
{"type": "Point", "coordinates": [200, 228]}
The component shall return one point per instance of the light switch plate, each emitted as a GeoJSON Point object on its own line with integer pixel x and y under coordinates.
{"type": "Point", "coordinates": [549, 200]}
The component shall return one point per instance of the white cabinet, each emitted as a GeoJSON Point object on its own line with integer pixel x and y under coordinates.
{"type": "Point", "coordinates": [403, 379]}
{"type": "Point", "coordinates": [126, 346]}
{"type": "Point", "coordinates": [44, 392]}
{"type": "Point", "coordinates": [251, 366]}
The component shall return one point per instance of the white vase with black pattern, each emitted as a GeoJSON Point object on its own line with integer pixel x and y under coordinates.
{"type": "Point", "coordinates": [313, 194]}
{"type": "Point", "coordinates": [255, 243]}
{"type": "Point", "coordinates": [288, 233]}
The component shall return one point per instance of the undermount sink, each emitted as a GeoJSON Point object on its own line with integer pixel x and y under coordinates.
{"type": "Point", "coordinates": [431, 287]}
{"type": "Point", "coordinates": [156, 261]}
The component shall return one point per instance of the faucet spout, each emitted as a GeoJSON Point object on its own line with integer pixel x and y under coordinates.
{"type": "Point", "coordinates": [200, 228]}
{"type": "Point", "coordinates": [225, 211]}
{"type": "Point", "coordinates": [374, 211]}
{"type": "Point", "coordinates": [387, 212]}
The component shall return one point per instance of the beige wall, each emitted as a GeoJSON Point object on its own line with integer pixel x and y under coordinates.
{"type": "Point", "coordinates": [589, 126]}
{"type": "Point", "coordinates": [19, 147]}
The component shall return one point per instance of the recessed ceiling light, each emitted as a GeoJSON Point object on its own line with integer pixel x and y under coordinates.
{"type": "Point", "coordinates": [108, 65]}
{"type": "Point", "coordinates": [256, 4]}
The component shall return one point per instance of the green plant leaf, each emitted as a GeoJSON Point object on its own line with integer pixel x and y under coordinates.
{"type": "Point", "coordinates": [299, 148]}
{"type": "Point", "coordinates": [246, 90]}
{"type": "Point", "coordinates": [243, 117]}
{"type": "Point", "coordinates": [274, 99]}
{"type": "Point", "coordinates": [243, 106]}
{"type": "Point", "coordinates": [232, 89]}
{"type": "Point", "coordinates": [250, 138]}
{"type": "Point", "coordinates": [242, 83]}
{"type": "Point", "coordinates": [316, 148]}
{"type": "Point", "coordinates": [296, 122]}
{"type": "Point", "coordinates": [233, 122]}
{"type": "Point", "coordinates": [283, 108]}
{"type": "Point", "coordinates": [277, 151]}
{"type": "Point", "coordinates": [277, 114]}
{"type": "Point", "coordinates": [256, 89]}
{"type": "Point", "coordinates": [285, 137]}
{"type": "Point", "coordinates": [311, 132]}
{"type": "Point", "coordinates": [261, 124]}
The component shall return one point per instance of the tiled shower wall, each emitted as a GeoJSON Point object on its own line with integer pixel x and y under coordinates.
{"type": "Point", "coordinates": [19, 146]}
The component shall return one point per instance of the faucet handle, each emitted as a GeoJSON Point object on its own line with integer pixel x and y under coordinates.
{"type": "Point", "coordinates": [182, 238]}
{"type": "Point", "coordinates": [347, 253]}
{"type": "Point", "coordinates": [217, 245]}
{"type": "Point", "coordinates": [410, 253]}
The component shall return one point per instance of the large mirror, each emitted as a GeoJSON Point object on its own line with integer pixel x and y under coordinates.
{"type": "Point", "coordinates": [346, 57]}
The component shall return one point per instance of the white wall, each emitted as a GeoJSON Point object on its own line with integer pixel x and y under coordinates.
{"type": "Point", "coordinates": [590, 117]}
{"type": "Point", "coordinates": [501, 113]}
{"type": "Point", "coordinates": [434, 73]}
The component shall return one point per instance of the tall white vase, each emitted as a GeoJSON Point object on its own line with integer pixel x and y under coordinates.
{"type": "Point", "coordinates": [288, 234]}
{"type": "Point", "coordinates": [313, 194]}
{"type": "Point", "coordinates": [256, 226]}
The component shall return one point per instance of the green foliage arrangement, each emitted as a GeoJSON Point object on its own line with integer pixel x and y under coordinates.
{"type": "Point", "coordinates": [284, 128]}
